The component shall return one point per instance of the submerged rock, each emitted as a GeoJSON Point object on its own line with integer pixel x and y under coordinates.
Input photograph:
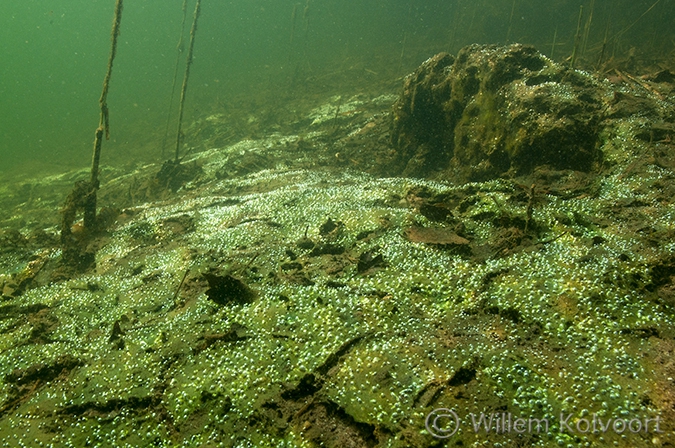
{"type": "Point", "coordinates": [495, 111]}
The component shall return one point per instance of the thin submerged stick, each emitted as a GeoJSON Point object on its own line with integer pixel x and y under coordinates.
{"type": "Point", "coordinates": [508, 32]}
{"type": "Point", "coordinates": [604, 48]}
{"type": "Point", "coordinates": [577, 38]}
{"type": "Point", "coordinates": [400, 59]}
{"type": "Point", "coordinates": [103, 123]}
{"type": "Point", "coordinates": [179, 135]}
{"type": "Point", "coordinates": [620, 33]}
{"type": "Point", "coordinates": [587, 29]}
{"type": "Point", "coordinates": [294, 16]}
{"type": "Point", "coordinates": [75, 253]}
{"type": "Point", "coordinates": [179, 50]}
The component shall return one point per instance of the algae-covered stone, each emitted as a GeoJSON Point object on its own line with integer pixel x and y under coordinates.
{"type": "Point", "coordinates": [493, 111]}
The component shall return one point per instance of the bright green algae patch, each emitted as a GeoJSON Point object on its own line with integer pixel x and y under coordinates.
{"type": "Point", "coordinates": [328, 353]}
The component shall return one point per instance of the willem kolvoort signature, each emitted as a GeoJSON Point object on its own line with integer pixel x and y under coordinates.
{"type": "Point", "coordinates": [443, 423]}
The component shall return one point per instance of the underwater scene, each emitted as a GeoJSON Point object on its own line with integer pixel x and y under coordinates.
{"type": "Point", "coordinates": [337, 223]}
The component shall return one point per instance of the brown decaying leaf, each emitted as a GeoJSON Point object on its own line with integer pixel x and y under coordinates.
{"type": "Point", "coordinates": [434, 235]}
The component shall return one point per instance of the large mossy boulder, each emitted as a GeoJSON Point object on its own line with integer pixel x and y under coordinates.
{"type": "Point", "coordinates": [495, 111]}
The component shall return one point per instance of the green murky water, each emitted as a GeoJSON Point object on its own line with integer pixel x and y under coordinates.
{"type": "Point", "coordinates": [54, 54]}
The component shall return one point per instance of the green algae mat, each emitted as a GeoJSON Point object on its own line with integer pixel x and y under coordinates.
{"type": "Point", "coordinates": [290, 295]}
